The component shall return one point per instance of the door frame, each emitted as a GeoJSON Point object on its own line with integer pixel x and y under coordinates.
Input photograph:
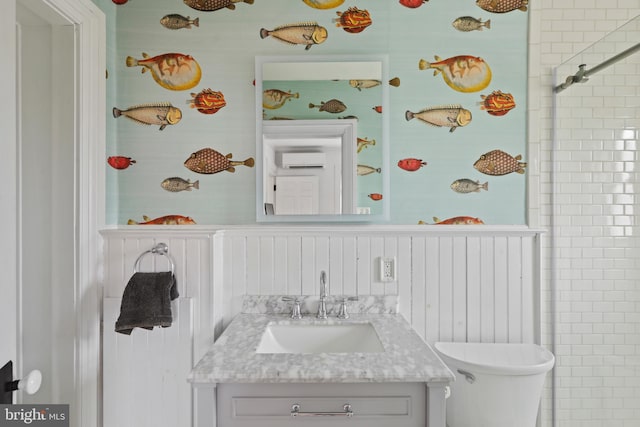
{"type": "Point", "coordinates": [90, 132]}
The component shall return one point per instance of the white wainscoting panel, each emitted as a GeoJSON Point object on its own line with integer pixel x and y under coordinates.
{"type": "Point", "coordinates": [463, 285]}
{"type": "Point", "coordinates": [144, 374]}
{"type": "Point", "coordinates": [466, 283]}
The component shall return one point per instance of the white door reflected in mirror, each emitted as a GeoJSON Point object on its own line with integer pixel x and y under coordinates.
{"type": "Point", "coordinates": [309, 111]}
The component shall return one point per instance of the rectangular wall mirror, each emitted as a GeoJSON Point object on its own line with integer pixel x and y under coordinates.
{"type": "Point", "coordinates": [322, 139]}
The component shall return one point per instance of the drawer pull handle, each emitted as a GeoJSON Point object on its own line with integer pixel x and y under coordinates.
{"type": "Point", "coordinates": [295, 412]}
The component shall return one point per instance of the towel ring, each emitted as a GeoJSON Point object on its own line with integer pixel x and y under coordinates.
{"type": "Point", "coordinates": [160, 249]}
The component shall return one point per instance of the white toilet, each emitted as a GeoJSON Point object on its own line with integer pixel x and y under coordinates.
{"type": "Point", "coordinates": [497, 385]}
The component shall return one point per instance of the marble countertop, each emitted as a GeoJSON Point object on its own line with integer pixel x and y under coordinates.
{"type": "Point", "coordinates": [233, 357]}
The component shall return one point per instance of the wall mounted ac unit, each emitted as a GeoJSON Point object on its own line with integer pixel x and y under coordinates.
{"type": "Point", "coordinates": [303, 160]}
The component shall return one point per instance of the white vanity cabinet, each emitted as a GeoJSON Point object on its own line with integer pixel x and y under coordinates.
{"type": "Point", "coordinates": [240, 384]}
{"type": "Point", "coordinates": [357, 405]}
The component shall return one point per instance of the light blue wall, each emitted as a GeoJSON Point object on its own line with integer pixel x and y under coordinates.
{"type": "Point", "coordinates": [225, 45]}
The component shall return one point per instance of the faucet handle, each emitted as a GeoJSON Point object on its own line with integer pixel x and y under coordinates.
{"type": "Point", "coordinates": [343, 314]}
{"type": "Point", "coordinates": [295, 310]}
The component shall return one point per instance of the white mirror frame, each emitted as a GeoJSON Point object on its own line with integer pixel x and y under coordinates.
{"type": "Point", "coordinates": [263, 126]}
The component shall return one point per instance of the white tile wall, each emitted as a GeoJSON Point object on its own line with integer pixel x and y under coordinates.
{"type": "Point", "coordinates": [597, 256]}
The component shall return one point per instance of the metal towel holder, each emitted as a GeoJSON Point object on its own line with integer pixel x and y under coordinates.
{"type": "Point", "coordinates": [159, 249]}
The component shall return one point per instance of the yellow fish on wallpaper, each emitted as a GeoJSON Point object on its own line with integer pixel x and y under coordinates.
{"type": "Point", "coordinates": [463, 73]}
{"type": "Point", "coordinates": [323, 4]}
{"type": "Point", "coordinates": [173, 71]}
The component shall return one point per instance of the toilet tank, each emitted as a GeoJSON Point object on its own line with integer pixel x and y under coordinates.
{"type": "Point", "coordinates": [497, 385]}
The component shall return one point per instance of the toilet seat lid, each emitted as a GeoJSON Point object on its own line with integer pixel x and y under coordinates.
{"type": "Point", "coordinates": [498, 358]}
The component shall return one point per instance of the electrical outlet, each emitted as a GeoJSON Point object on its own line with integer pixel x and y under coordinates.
{"type": "Point", "coordinates": [387, 269]}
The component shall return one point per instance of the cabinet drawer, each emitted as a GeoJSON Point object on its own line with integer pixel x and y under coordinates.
{"type": "Point", "coordinates": [272, 405]}
{"type": "Point", "coordinates": [361, 406]}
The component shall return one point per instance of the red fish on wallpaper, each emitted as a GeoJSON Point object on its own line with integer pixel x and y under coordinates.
{"type": "Point", "coordinates": [463, 73]}
{"type": "Point", "coordinates": [164, 220]}
{"type": "Point", "coordinates": [497, 103]}
{"type": "Point", "coordinates": [502, 6]}
{"type": "Point", "coordinates": [207, 101]}
{"type": "Point", "coordinates": [375, 196]}
{"type": "Point", "coordinates": [413, 3]}
{"type": "Point", "coordinates": [173, 71]}
{"type": "Point", "coordinates": [377, 109]}
{"type": "Point", "coordinates": [120, 162]}
{"type": "Point", "coordinates": [213, 5]}
{"type": "Point", "coordinates": [411, 164]}
{"type": "Point", "coordinates": [354, 20]}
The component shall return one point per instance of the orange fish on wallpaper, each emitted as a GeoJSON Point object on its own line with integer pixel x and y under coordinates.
{"type": "Point", "coordinates": [354, 20]}
{"type": "Point", "coordinates": [207, 101]}
{"type": "Point", "coordinates": [304, 33]}
{"type": "Point", "coordinates": [209, 161]}
{"type": "Point", "coordinates": [375, 196]}
{"type": "Point", "coordinates": [164, 220]}
{"type": "Point", "coordinates": [276, 98]}
{"type": "Point", "coordinates": [463, 73]}
{"type": "Point", "coordinates": [323, 4]}
{"type": "Point", "coordinates": [213, 5]}
{"type": "Point", "coordinates": [502, 6]}
{"type": "Point", "coordinates": [173, 71]}
{"type": "Point", "coordinates": [497, 103]}
{"type": "Point", "coordinates": [458, 220]}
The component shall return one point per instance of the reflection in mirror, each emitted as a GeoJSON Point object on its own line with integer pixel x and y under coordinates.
{"type": "Point", "coordinates": [321, 142]}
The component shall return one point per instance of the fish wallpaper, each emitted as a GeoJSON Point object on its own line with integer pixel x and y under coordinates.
{"type": "Point", "coordinates": [181, 125]}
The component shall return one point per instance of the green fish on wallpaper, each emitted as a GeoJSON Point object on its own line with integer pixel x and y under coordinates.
{"type": "Point", "coordinates": [304, 33]}
{"type": "Point", "coordinates": [213, 5]}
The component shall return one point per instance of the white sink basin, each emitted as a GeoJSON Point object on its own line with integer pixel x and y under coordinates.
{"type": "Point", "coordinates": [320, 338]}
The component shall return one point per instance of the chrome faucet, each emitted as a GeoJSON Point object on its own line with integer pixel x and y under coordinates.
{"type": "Point", "coordinates": [322, 308]}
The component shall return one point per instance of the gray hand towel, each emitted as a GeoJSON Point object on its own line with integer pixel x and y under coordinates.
{"type": "Point", "coordinates": [146, 302]}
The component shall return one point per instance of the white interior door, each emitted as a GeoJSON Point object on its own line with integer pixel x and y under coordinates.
{"type": "Point", "coordinates": [52, 121]}
{"type": "Point", "coordinates": [297, 195]}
